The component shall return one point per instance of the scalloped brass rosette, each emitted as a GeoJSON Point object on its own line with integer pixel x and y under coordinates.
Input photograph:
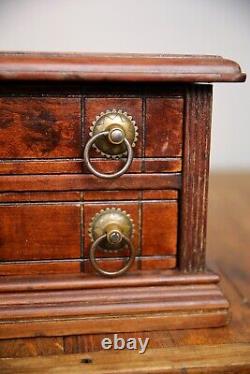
{"type": "Point", "coordinates": [114, 135]}
{"type": "Point", "coordinates": [120, 125]}
{"type": "Point", "coordinates": [111, 230]}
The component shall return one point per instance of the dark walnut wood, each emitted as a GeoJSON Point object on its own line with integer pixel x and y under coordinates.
{"type": "Point", "coordinates": [193, 211]}
{"type": "Point", "coordinates": [164, 140]}
{"type": "Point", "coordinates": [40, 232]}
{"type": "Point", "coordinates": [54, 313]}
{"type": "Point", "coordinates": [48, 196]}
{"type": "Point", "coordinates": [40, 128]}
{"type": "Point", "coordinates": [58, 232]}
{"type": "Point", "coordinates": [77, 166]}
{"type": "Point", "coordinates": [208, 350]}
{"type": "Point", "coordinates": [160, 217]}
{"type": "Point", "coordinates": [22, 183]}
{"type": "Point", "coordinates": [103, 67]}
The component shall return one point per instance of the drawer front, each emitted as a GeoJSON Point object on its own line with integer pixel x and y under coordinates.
{"type": "Point", "coordinates": [164, 128]}
{"type": "Point", "coordinates": [49, 194]}
{"type": "Point", "coordinates": [40, 128]}
{"type": "Point", "coordinates": [53, 237]}
{"type": "Point", "coordinates": [159, 119]}
{"type": "Point", "coordinates": [158, 122]}
{"type": "Point", "coordinates": [39, 232]}
{"type": "Point", "coordinates": [47, 135]}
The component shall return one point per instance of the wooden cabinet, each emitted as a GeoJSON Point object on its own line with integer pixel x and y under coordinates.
{"type": "Point", "coordinates": [68, 125]}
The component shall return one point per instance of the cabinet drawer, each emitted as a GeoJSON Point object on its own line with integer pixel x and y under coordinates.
{"type": "Point", "coordinates": [155, 235]}
{"type": "Point", "coordinates": [47, 135]}
{"type": "Point", "coordinates": [37, 237]}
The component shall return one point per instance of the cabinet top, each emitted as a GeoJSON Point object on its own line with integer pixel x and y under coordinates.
{"type": "Point", "coordinates": [118, 67]}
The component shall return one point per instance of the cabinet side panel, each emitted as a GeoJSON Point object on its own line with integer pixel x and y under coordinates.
{"type": "Point", "coordinates": [193, 202]}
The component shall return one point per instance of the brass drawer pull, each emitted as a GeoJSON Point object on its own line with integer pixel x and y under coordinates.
{"type": "Point", "coordinates": [111, 230]}
{"type": "Point", "coordinates": [102, 175]}
{"type": "Point", "coordinates": [113, 134]}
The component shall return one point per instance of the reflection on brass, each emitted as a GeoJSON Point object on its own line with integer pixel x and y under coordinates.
{"type": "Point", "coordinates": [111, 230]}
{"type": "Point", "coordinates": [114, 138]}
{"type": "Point", "coordinates": [119, 125]}
{"type": "Point", "coordinates": [113, 222]}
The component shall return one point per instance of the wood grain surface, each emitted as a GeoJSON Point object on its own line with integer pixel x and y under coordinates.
{"type": "Point", "coordinates": [212, 350]}
{"type": "Point", "coordinates": [47, 135]}
{"type": "Point", "coordinates": [40, 127]}
{"type": "Point", "coordinates": [118, 67]}
{"type": "Point", "coordinates": [164, 127]}
{"type": "Point", "coordinates": [39, 234]}
{"type": "Point", "coordinates": [85, 182]}
{"type": "Point", "coordinates": [161, 218]}
{"type": "Point", "coordinates": [214, 359]}
{"type": "Point", "coordinates": [193, 209]}
{"type": "Point", "coordinates": [44, 126]}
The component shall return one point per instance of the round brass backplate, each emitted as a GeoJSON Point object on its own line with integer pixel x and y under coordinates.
{"type": "Point", "coordinates": [120, 124]}
{"type": "Point", "coordinates": [113, 222]}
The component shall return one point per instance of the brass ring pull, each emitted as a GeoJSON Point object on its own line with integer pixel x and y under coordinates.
{"type": "Point", "coordinates": [111, 273]}
{"type": "Point", "coordinates": [116, 137]}
{"type": "Point", "coordinates": [110, 230]}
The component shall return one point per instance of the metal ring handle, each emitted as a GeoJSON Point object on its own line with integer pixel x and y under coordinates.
{"type": "Point", "coordinates": [102, 175]}
{"type": "Point", "coordinates": [111, 273]}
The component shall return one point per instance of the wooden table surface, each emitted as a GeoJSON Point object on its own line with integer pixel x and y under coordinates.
{"type": "Point", "coordinates": [215, 350]}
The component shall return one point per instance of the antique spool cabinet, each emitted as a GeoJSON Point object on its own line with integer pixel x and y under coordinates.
{"type": "Point", "coordinates": [103, 193]}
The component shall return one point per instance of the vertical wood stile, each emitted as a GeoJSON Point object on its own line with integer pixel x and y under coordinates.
{"type": "Point", "coordinates": [193, 210]}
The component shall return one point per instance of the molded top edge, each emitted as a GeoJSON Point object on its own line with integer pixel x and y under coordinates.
{"type": "Point", "coordinates": [118, 67]}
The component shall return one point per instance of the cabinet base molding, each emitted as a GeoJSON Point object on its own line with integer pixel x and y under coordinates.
{"type": "Point", "coordinates": [81, 304]}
